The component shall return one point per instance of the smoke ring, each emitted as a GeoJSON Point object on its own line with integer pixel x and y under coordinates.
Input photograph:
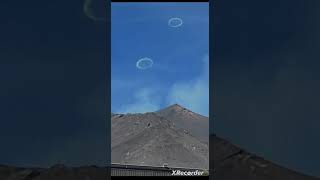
{"type": "Point", "coordinates": [175, 22]}
{"type": "Point", "coordinates": [144, 63]}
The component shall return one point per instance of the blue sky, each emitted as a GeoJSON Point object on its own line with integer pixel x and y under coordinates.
{"type": "Point", "coordinates": [180, 56]}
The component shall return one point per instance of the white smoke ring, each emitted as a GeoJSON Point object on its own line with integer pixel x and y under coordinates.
{"type": "Point", "coordinates": [148, 61]}
{"type": "Point", "coordinates": [175, 22]}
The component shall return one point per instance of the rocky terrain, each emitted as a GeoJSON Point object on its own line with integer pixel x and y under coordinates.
{"type": "Point", "coordinates": [174, 136]}
{"type": "Point", "coordinates": [187, 120]}
{"type": "Point", "coordinates": [233, 163]}
{"type": "Point", "coordinates": [159, 138]}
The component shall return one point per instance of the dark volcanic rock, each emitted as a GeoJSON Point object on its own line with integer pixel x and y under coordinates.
{"type": "Point", "coordinates": [233, 163]}
{"type": "Point", "coordinates": [14, 173]}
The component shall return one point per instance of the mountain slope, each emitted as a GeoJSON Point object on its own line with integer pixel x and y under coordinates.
{"type": "Point", "coordinates": [185, 119]}
{"type": "Point", "coordinates": [233, 163]}
{"type": "Point", "coordinates": [150, 139]}
{"type": "Point", "coordinates": [157, 138]}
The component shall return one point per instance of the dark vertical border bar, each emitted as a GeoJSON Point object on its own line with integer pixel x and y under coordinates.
{"type": "Point", "coordinates": [211, 89]}
{"type": "Point", "coordinates": [108, 85]}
